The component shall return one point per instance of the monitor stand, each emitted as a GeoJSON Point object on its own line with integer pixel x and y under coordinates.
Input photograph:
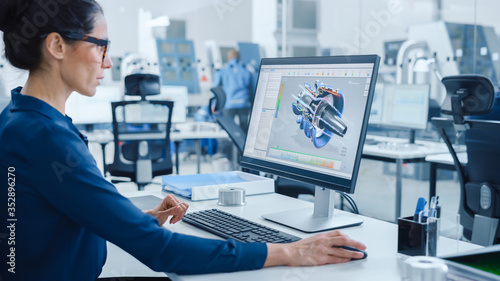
{"type": "Point", "coordinates": [411, 138]}
{"type": "Point", "coordinates": [320, 218]}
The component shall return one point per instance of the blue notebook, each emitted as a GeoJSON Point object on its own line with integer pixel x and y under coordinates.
{"type": "Point", "coordinates": [183, 184]}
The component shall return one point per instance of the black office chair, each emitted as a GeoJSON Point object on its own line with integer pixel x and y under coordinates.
{"type": "Point", "coordinates": [238, 136]}
{"type": "Point", "coordinates": [236, 133]}
{"type": "Point", "coordinates": [479, 208]}
{"type": "Point", "coordinates": [217, 105]}
{"type": "Point", "coordinates": [141, 131]}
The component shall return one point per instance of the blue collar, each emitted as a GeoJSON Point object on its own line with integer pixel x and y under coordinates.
{"type": "Point", "coordinates": [233, 62]}
{"type": "Point", "coordinates": [22, 102]}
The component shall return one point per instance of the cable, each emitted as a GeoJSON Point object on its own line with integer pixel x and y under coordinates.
{"type": "Point", "coordinates": [351, 202]}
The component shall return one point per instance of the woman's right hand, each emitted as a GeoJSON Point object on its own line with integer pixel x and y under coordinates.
{"type": "Point", "coordinates": [315, 250]}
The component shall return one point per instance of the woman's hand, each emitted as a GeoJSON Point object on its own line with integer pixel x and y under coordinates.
{"type": "Point", "coordinates": [315, 250]}
{"type": "Point", "coordinates": [170, 206]}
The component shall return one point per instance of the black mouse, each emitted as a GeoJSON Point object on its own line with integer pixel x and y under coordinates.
{"type": "Point", "coordinates": [354, 250]}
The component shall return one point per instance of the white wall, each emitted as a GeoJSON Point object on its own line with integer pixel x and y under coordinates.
{"type": "Point", "coordinates": [10, 77]}
{"type": "Point", "coordinates": [264, 25]}
{"type": "Point", "coordinates": [205, 20]}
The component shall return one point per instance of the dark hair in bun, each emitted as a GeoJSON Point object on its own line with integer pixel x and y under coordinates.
{"type": "Point", "coordinates": [26, 22]}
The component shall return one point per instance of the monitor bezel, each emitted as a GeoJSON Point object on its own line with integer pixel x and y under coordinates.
{"type": "Point", "coordinates": [327, 181]}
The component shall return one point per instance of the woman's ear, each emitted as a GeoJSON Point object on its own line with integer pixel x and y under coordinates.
{"type": "Point", "coordinates": [55, 45]}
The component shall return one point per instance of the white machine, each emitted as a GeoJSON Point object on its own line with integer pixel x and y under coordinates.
{"type": "Point", "coordinates": [438, 49]}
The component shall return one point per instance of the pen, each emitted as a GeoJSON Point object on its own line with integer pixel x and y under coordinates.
{"type": "Point", "coordinates": [432, 207]}
{"type": "Point", "coordinates": [420, 207]}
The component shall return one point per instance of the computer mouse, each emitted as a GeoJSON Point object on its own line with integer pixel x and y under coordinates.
{"type": "Point", "coordinates": [355, 250]}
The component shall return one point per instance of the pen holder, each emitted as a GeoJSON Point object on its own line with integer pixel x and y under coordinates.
{"type": "Point", "coordinates": [418, 238]}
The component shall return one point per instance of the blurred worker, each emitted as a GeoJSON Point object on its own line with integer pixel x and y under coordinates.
{"type": "Point", "coordinates": [236, 81]}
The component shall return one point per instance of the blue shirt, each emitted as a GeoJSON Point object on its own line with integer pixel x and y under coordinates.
{"type": "Point", "coordinates": [64, 209]}
{"type": "Point", "coordinates": [235, 80]}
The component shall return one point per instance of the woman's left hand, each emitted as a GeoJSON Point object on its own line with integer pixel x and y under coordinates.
{"type": "Point", "coordinates": [170, 206]}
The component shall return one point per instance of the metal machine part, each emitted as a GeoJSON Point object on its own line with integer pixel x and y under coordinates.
{"type": "Point", "coordinates": [319, 112]}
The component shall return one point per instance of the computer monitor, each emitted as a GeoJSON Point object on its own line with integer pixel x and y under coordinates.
{"type": "Point", "coordinates": [406, 106]}
{"type": "Point", "coordinates": [391, 49]}
{"type": "Point", "coordinates": [308, 123]}
{"type": "Point", "coordinates": [93, 110]}
{"type": "Point", "coordinates": [377, 105]}
{"type": "Point", "coordinates": [176, 94]}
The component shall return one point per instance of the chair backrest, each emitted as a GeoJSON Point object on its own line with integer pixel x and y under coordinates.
{"type": "Point", "coordinates": [226, 121]}
{"type": "Point", "coordinates": [142, 85]}
{"type": "Point", "coordinates": [469, 95]}
{"type": "Point", "coordinates": [236, 134]}
{"type": "Point", "coordinates": [218, 102]}
{"type": "Point", "coordinates": [141, 126]}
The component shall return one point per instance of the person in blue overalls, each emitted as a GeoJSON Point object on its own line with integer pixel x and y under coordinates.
{"type": "Point", "coordinates": [55, 199]}
{"type": "Point", "coordinates": [235, 79]}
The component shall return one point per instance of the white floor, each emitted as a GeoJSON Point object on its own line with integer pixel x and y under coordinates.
{"type": "Point", "coordinates": [374, 193]}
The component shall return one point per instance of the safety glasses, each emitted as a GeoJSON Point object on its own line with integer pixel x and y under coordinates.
{"type": "Point", "coordinates": [99, 42]}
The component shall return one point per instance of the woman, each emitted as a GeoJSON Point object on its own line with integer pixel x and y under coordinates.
{"type": "Point", "coordinates": [61, 210]}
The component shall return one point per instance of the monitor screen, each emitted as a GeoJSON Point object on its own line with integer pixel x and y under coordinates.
{"type": "Point", "coordinates": [309, 118]}
{"type": "Point", "coordinates": [93, 110]}
{"type": "Point", "coordinates": [167, 47]}
{"type": "Point", "coordinates": [391, 49]}
{"type": "Point", "coordinates": [183, 48]}
{"type": "Point", "coordinates": [377, 103]}
{"type": "Point", "coordinates": [406, 106]}
{"type": "Point", "coordinates": [300, 8]}
{"type": "Point", "coordinates": [301, 51]}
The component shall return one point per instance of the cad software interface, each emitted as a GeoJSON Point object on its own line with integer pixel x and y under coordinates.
{"type": "Point", "coordinates": [310, 116]}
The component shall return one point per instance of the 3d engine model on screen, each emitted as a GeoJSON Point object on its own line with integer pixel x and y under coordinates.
{"type": "Point", "coordinates": [319, 112]}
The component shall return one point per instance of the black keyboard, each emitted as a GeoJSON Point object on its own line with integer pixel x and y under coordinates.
{"type": "Point", "coordinates": [227, 226]}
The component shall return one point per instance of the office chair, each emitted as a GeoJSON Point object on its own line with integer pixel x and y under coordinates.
{"type": "Point", "coordinates": [141, 132]}
{"type": "Point", "coordinates": [238, 136]}
{"type": "Point", "coordinates": [479, 209]}
{"type": "Point", "coordinates": [226, 121]}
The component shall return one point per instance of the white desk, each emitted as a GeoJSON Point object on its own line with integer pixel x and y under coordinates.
{"type": "Point", "coordinates": [401, 156]}
{"type": "Point", "coordinates": [189, 131]}
{"type": "Point", "coordinates": [446, 159]}
{"type": "Point", "coordinates": [380, 238]}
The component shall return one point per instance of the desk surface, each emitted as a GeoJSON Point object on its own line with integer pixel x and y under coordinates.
{"type": "Point", "coordinates": [196, 130]}
{"type": "Point", "coordinates": [421, 150]}
{"type": "Point", "coordinates": [445, 158]}
{"type": "Point", "coordinates": [380, 238]}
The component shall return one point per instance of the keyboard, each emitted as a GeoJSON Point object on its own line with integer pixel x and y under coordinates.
{"type": "Point", "coordinates": [227, 226]}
